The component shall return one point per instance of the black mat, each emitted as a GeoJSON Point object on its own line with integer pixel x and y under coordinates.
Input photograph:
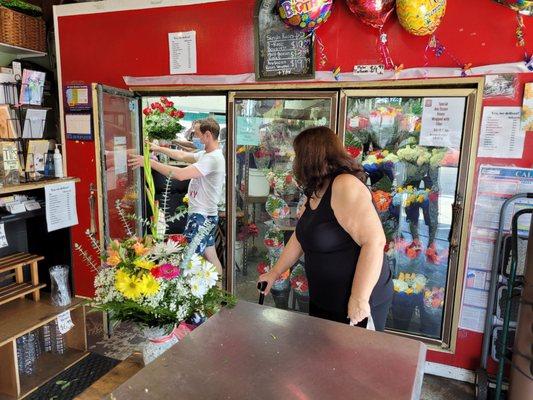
{"type": "Point", "coordinates": [76, 379]}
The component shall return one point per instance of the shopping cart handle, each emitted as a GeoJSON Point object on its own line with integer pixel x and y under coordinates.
{"type": "Point", "coordinates": [261, 286]}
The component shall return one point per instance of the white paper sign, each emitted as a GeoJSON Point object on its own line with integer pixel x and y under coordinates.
{"type": "Point", "coordinates": [64, 322]}
{"type": "Point", "coordinates": [442, 121]}
{"type": "Point", "coordinates": [60, 206]}
{"type": "Point", "coordinates": [3, 237]}
{"type": "Point", "coordinates": [182, 49]}
{"type": "Point", "coordinates": [377, 69]}
{"type": "Point", "coordinates": [501, 136]}
{"type": "Point", "coordinates": [120, 155]}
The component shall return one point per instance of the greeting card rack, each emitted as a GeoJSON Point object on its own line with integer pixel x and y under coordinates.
{"type": "Point", "coordinates": [16, 126]}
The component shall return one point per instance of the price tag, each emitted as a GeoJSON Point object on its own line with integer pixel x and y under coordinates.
{"type": "Point", "coordinates": [377, 69]}
{"type": "Point", "coordinates": [64, 322]}
{"type": "Point", "coordinates": [3, 237]}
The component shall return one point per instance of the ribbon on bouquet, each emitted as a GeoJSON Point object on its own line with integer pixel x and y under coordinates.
{"type": "Point", "coordinates": [178, 332]}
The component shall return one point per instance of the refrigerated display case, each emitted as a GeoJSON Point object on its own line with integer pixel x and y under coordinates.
{"type": "Point", "coordinates": [264, 196]}
{"type": "Point", "coordinates": [416, 147]}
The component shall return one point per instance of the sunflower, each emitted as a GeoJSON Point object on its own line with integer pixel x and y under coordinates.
{"type": "Point", "coordinates": [149, 286]}
{"type": "Point", "coordinates": [129, 286]}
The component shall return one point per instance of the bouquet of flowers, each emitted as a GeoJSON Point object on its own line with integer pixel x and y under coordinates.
{"type": "Point", "coordinates": [409, 283]}
{"type": "Point", "coordinates": [382, 200]}
{"type": "Point", "coordinates": [353, 146]}
{"type": "Point", "coordinates": [155, 280]}
{"type": "Point", "coordinates": [299, 281]}
{"type": "Point", "coordinates": [273, 238]}
{"type": "Point", "coordinates": [265, 266]}
{"type": "Point", "coordinates": [434, 298]}
{"type": "Point", "coordinates": [247, 231]}
{"type": "Point", "coordinates": [282, 182]}
{"type": "Point", "coordinates": [415, 155]}
{"type": "Point", "coordinates": [262, 157]}
{"type": "Point", "coordinates": [277, 208]}
{"type": "Point", "coordinates": [379, 163]}
{"type": "Point", "coordinates": [162, 120]}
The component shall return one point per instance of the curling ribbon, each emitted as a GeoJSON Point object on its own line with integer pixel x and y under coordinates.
{"type": "Point", "coordinates": [520, 40]}
{"type": "Point", "coordinates": [384, 50]}
{"type": "Point", "coordinates": [323, 59]}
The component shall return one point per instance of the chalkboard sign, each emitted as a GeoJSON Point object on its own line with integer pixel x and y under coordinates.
{"type": "Point", "coordinates": [280, 52]}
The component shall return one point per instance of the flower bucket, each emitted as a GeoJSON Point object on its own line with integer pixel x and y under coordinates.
{"type": "Point", "coordinates": [403, 307]}
{"type": "Point", "coordinates": [160, 340]}
{"type": "Point", "coordinates": [257, 184]}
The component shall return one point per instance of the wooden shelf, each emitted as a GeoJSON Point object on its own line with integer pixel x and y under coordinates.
{"type": "Point", "coordinates": [17, 260]}
{"type": "Point", "coordinates": [47, 366]}
{"type": "Point", "coordinates": [20, 52]}
{"type": "Point", "coordinates": [22, 316]}
{"type": "Point", "coordinates": [22, 187]}
{"type": "Point", "coordinates": [16, 290]}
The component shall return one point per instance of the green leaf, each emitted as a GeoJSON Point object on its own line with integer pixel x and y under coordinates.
{"type": "Point", "coordinates": [61, 382]}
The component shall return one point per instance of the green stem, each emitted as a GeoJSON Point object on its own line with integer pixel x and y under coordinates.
{"type": "Point", "coordinates": [150, 190]}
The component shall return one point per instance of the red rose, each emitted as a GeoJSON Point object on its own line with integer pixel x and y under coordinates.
{"type": "Point", "coordinates": [178, 238]}
{"type": "Point", "coordinates": [288, 179]}
{"type": "Point", "coordinates": [169, 104]}
{"type": "Point", "coordinates": [181, 114]}
{"type": "Point", "coordinates": [164, 100]}
{"type": "Point", "coordinates": [154, 106]}
{"type": "Point", "coordinates": [433, 196]}
{"type": "Point", "coordinates": [262, 268]}
{"type": "Point", "coordinates": [147, 111]}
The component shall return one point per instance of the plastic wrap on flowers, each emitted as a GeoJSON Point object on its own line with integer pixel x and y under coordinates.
{"type": "Point", "coordinates": [432, 311]}
{"type": "Point", "coordinates": [277, 208]}
{"type": "Point", "coordinates": [408, 295]}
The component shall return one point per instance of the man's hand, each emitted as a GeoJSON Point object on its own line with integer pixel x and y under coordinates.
{"type": "Point", "coordinates": [135, 161]}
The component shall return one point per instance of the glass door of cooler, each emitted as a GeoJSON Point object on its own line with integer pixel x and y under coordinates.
{"type": "Point", "coordinates": [120, 187]}
{"type": "Point", "coordinates": [415, 145]}
{"type": "Point", "coordinates": [263, 195]}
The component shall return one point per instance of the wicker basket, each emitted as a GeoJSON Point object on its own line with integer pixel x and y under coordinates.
{"type": "Point", "coordinates": [22, 30]}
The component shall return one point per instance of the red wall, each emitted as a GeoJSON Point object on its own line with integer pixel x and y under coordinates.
{"type": "Point", "coordinates": [105, 47]}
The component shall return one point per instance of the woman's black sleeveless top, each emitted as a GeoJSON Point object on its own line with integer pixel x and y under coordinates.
{"type": "Point", "coordinates": [331, 257]}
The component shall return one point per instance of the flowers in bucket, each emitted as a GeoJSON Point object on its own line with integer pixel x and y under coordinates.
{"type": "Point", "coordinates": [380, 161]}
{"type": "Point", "coordinates": [298, 281]}
{"type": "Point", "coordinates": [155, 280]}
{"type": "Point", "coordinates": [409, 283]}
{"type": "Point", "coordinates": [162, 120]}
{"type": "Point", "coordinates": [353, 146]}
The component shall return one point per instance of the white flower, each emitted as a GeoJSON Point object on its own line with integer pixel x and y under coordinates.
{"type": "Point", "coordinates": [198, 287]}
{"type": "Point", "coordinates": [164, 249]}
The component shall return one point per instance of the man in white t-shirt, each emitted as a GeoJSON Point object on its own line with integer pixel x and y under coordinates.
{"type": "Point", "coordinates": [206, 173]}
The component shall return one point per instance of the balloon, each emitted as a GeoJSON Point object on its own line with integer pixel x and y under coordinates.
{"type": "Point", "coordinates": [306, 15]}
{"type": "Point", "coordinates": [420, 17]}
{"type": "Point", "coordinates": [372, 12]}
{"type": "Point", "coordinates": [523, 6]}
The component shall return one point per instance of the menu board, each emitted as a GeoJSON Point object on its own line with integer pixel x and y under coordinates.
{"type": "Point", "coordinates": [280, 52]}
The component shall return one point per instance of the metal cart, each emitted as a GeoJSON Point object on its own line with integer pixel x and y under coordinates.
{"type": "Point", "coordinates": [505, 290]}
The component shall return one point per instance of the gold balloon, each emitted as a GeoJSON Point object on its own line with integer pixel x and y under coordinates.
{"type": "Point", "coordinates": [420, 17]}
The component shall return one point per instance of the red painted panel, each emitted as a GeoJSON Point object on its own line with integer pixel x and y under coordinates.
{"type": "Point", "coordinates": [105, 47]}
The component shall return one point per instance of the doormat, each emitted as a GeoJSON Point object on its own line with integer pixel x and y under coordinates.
{"type": "Point", "coordinates": [76, 379]}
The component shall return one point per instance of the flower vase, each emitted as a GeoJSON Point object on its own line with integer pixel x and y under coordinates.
{"type": "Point", "coordinates": [303, 302]}
{"type": "Point", "coordinates": [430, 320]}
{"type": "Point", "coordinates": [158, 340]}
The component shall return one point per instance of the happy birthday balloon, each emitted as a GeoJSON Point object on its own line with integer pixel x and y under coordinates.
{"type": "Point", "coordinates": [306, 15]}
{"type": "Point", "coordinates": [372, 12]}
{"type": "Point", "coordinates": [420, 17]}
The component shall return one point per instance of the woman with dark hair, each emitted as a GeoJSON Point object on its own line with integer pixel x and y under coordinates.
{"type": "Point", "coordinates": [340, 234]}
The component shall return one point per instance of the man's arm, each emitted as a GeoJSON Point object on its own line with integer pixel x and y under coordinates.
{"type": "Point", "coordinates": [181, 174]}
{"type": "Point", "coordinates": [179, 155]}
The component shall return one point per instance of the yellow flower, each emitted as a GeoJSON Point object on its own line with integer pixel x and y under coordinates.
{"type": "Point", "coordinates": [401, 277]}
{"type": "Point", "coordinates": [144, 264]}
{"type": "Point", "coordinates": [409, 291]}
{"type": "Point", "coordinates": [420, 199]}
{"type": "Point", "coordinates": [139, 249]}
{"type": "Point", "coordinates": [149, 286]}
{"type": "Point", "coordinates": [186, 199]}
{"type": "Point", "coordinates": [128, 285]}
